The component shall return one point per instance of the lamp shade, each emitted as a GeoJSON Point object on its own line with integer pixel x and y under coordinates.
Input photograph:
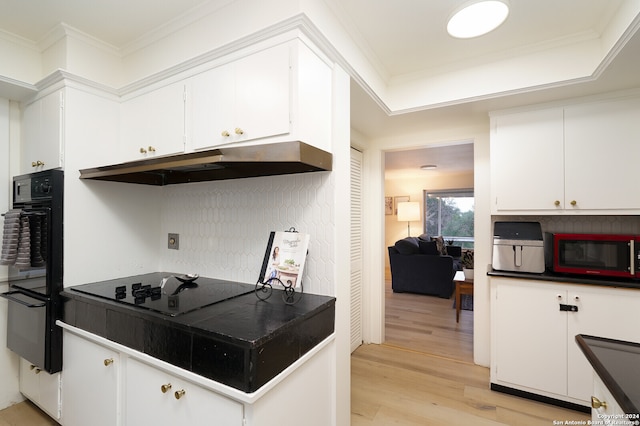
{"type": "Point", "coordinates": [408, 211]}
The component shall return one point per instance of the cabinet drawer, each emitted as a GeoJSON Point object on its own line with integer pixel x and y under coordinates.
{"type": "Point", "coordinates": [153, 396]}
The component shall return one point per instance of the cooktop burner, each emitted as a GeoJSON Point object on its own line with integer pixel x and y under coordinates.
{"type": "Point", "coordinates": [179, 294]}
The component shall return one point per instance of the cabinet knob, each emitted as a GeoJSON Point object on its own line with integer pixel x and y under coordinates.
{"type": "Point", "coordinates": [35, 369]}
{"type": "Point", "coordinates": [179, 394]}
{"type": "Point", "coordinates": [165, 388]}
{"type": "Point", "coordinates": [576, 298]}
{"type": "Point", "coordinates": [239, 131]}
{"type": "Point", "coordinates": [596, 403]}
{"type": "Point", "coordinates": [573, 202]}
{"type": "Point", "coordinates": [559, 296]}
{"type": "Point", "coordinates": [143, 151]}
{"type": "Point", "coordinates": [224, 134]}
{"type": "Point", "coordinates": [556, 203]}
{"type": "Point", "coordinates": [151, 149]}
{"type": "Point", "coordinates": [108, 362]}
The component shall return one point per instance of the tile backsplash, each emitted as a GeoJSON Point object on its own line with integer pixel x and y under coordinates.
{"type": "Point", "coordinates": [224, 226]}
{"type": "Point", "coordinates": [582, 224]}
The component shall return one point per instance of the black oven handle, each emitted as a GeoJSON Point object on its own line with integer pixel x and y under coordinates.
{"type": "Point", "coordinates": [22, 302]}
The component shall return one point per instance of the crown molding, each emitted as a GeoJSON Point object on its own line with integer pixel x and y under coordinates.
{"type": "Point", "coordinates": [62, 30]}
{"type": "Point", "coordinates": [286, 29]}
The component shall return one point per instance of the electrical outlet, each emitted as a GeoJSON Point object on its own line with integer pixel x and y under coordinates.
{"type": "Point", "coordinates": [173, 241]}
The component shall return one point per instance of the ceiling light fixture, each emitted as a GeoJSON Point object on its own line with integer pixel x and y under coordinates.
{"type": "Point", "coordinates": [476, 18]}
{"type": "Point", "coordinates": [428, 167]}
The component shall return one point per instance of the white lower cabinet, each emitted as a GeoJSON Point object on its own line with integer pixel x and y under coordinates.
{"type": "Point", "coordinates": [155, 397]}
{"type": "Point", "coordinates": [530, 336]}
{"type": "Point", "coordinates": [104, 383]}
{"type": "Point", "coordinates": [40, 387]}
{"type": "Point", "coordinates": [604, 408]}
{"type": "Point", "coordinates": [90, 383]}
{"type": "Point", "coordinates": [533, 344]}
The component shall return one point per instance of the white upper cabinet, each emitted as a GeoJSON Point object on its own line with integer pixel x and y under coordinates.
{"type": "Point", "coordinates": [602, 148]}
{"type": "Point", "coordinates": [152, 123]}
{"type": "Point", "coordinates": [567, 160]}
{"type": "Point", "coordinates": [42, 144]}
{"type": "Point", "coordinates": [242, 100]}
{"type": "Point", "coordinates": [527, 162]}
{"type": "Point", "coordinates": [260, 98]}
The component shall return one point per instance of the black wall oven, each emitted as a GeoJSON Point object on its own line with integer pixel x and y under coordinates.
{"type": "Point", "coordinates": [33, 249]}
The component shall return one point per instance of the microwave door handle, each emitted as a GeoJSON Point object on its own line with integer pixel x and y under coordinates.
{"type": "Point", "coordinates": [632, 254]}
{"type": "Point", "coordinates": [517, 256]}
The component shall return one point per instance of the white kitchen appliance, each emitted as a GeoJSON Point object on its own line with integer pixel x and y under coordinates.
{"type": "Point", "coordinates": [518, 247]}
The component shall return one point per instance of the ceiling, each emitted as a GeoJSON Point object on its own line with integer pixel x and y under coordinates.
{"type": "Point", "coordinates": [402, 39]}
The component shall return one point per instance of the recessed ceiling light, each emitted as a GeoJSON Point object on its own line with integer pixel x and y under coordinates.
{"type": "Point", "coordinates": [477, 18]}
{"type": "Point", "coordinates": [428, 167]}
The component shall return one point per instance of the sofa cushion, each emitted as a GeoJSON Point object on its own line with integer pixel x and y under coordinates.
{"type": "Point", "coordinates": [442, 248]}
{"type": "Point", "coordinates": [407, 245]}
{"type": "Point", "coordinates": [428, 247]}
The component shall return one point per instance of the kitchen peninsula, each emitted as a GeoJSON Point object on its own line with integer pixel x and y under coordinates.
{"type": "Point", "coordinates": [616, 393]}
{"type": "Point", "coordinates": [238, 353]}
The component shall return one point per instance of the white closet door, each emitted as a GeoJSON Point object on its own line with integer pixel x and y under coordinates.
{"type": "Point", "coordinates": [356, 249]}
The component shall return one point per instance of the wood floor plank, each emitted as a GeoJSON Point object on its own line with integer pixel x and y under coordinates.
{"type": "Point", "coordinates": [424, 374]}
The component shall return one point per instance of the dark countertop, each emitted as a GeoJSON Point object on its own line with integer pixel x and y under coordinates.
{"type": "Point", "coordinates": [616, 363]}
{"type": "Point", "coordinates": [550, 276]}
{"type": "Point", "coordinates": [242, 341]}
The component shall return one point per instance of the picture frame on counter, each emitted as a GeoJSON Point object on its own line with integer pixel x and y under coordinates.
{"type": "Point", "coordinates": [284, 258]}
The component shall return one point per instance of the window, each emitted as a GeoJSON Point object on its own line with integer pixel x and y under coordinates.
{"type": "Point", "coordinates": [450, 214]}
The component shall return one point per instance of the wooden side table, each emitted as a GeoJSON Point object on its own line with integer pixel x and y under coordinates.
{"type": "Point", "coordinates": [463, 286]}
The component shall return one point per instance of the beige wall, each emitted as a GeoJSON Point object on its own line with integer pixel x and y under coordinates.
{"type": "Point", "coordinates": [413, 187]}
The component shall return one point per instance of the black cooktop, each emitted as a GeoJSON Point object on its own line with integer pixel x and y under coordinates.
{"type": "Point", "coordinates": [178, 296]}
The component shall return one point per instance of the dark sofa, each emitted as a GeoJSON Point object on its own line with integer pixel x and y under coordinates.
{"type": "Point", "coordinates": [418, 267]}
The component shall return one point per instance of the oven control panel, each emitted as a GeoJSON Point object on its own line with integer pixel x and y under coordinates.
{"type": "Point", "coordinates": [33, 187]}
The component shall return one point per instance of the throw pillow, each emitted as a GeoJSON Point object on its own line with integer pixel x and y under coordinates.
{"type": "Point", "coordinates": [428, 247]}
{"type": "Point", "coordinates": [407, 245]}
{"type": "Point", "coordinates": [442, 248]}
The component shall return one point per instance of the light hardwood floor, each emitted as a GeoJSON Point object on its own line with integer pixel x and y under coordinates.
{"type": "Point", "coordinates": [424, 373]}
{"type": "Point", "coordinates": [24, 414]}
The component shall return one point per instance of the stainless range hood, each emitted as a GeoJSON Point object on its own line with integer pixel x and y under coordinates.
{"type": "Point", "coordinates": [217, 164]}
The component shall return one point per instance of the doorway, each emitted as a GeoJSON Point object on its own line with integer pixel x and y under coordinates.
{"type": "Point", "coordinates": [419, 322]}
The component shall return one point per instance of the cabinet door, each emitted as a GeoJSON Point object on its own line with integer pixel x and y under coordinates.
{"type": "Point", "coordinates": [244, 100]}
{"type": "Point", "coordinates": [42, 140]}
{"type": "Point", "coordinates": [603, 312]}
{"type": "Point", "coordinates": [211, 111]}
{"type": "Point", "coordinates": [151, 399]}
{"type": "Point", "coordinates": [609, 414]}
{"type": "Point", "coordinates": [153, 123]}
{"type": "Point", "coordinates": [263, 93]}
{"type": "Point", "coordinates": [40, 387]}
{"type": "Point", "coordinates": [29, 380]}
{"type": "Point", "coordinates": [530, 336]}
{"type": "Point", "coordinates": [90, 383]}
{"type": "Point", "coordinates": [527, 161]}
{"type": "Point", "coordinates": [601, 150]}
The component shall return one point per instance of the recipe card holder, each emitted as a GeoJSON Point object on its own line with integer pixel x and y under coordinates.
{"type": "Point", "coordinates": [283, 265]}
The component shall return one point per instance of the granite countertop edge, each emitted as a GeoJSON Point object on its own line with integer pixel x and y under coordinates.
{"type": "Point", "coordinates": [550, 276]}
{"type": "Point", "coordinates": [619, 394]}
